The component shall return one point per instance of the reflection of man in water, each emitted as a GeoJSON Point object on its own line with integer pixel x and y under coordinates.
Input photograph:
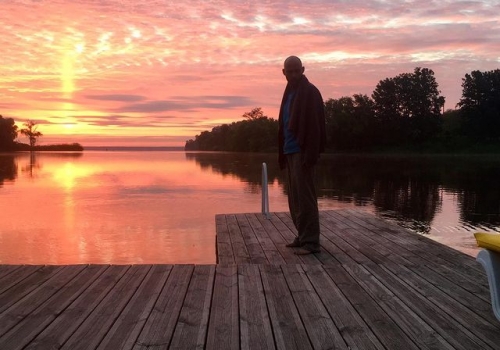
{"type": "Point", "coordinates": [301, 139]}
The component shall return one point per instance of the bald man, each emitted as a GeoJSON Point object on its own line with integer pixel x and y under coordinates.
{"type": "Point", "coordinates": [301, 139]}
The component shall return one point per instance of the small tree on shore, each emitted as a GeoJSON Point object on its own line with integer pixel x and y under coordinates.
{"type": "Point", "coordinates": [31, 132]}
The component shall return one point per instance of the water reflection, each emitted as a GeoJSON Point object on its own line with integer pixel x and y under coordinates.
{"type": "Point", "coordinates": [159, 207]}
{"type": "Point", "coordinates": [8, 168]}
{"type": "Point", "coordinates": [28, 162]}
{"type": "Point", "coordinates": [406, 189]}
{"type": "Point", "coordinates": [402, 188]}
{"type": "Point", "coordinates": [478, 189]}
{"type": "Point", "coordinates": [246, 166]}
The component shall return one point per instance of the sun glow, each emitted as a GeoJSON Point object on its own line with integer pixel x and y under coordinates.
{"type": "Point", "coordinates": [67, 75]}
{"type": "Point", "coordinates": [68, 175]}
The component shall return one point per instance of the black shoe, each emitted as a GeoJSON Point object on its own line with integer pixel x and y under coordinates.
{"type": "Point", "coordinates": [294, 244]}
{"type": "Point", "coordinates": [307, 249]}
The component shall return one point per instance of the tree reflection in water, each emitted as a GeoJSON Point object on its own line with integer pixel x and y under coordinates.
{"type": "Point", "coordinates": [32, 166]}
{"type": "Point", "coordinates": [406, 189]}
{"type": "Point", "coordinates": [8, 168]}
{"type": "Point", "coordinates": [9, 163]}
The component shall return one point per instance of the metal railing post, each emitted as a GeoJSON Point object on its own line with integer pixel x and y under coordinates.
{"type": "Point", "coordinates": [265, 194]}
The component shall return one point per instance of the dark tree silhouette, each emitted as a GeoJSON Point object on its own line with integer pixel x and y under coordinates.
{"type": "Point", "coordinates": [257, 133]}
{"type": "Point", "coordinates": [480, 105]}
{"type": "Point", "coordinates": [254, 114]}
{"type": "Point", "coordinates": [349, 123]}
{"type": "Point", "coordinates": [8, 133]}
{"type": "Point", "coordinates": [408, 107]}
{"type": "Point", "coordinates": [31, 132]}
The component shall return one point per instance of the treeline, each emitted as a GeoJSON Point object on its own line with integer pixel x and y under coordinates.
{"type": "Point", "coordinates": [257, 133]}
{"type": "Point", "coordinates": [9, 132]}
{"type": "Point", "coordinates": [73, 147]}
{"type": "Point", "coordinates": [405, 112]}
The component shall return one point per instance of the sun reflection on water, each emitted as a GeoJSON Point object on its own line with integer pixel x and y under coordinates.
{"type": "Point", "coordinates": [69, 175]}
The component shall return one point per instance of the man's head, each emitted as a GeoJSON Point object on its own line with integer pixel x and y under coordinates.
{"type": "Point", "coordinates": [293, 70]}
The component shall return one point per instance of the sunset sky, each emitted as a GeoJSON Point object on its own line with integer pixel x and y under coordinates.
{"type": "Point", "coordinates": [156, 73]}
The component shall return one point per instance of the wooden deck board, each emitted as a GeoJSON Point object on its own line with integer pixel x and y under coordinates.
{"type": "Point", "coordinates": [374, 286]}
{"type": "Point", "coordinates": [68, 321]}
{"type": "Point", "coordinates": [441, 309]}
{"type": "Point", "coordinates": [6, 270]}
{"type": "Point", "coordinates": [224, 249]}
{"type": "Point", "coordinates": [97, 324]}
{"type": "Point", "coordinates": [255, 325]}
{"type": "Point", "coordinates": [36, 298]}
{"type": "Point", "coordinates": [385, 328]}
{"type": "Point", "coordinates": [426, 248]}
{"type": "Point", "coordinates": [160, 324]}
{"type": "Point", "coordinates": [29, 279]}
{"type": "Point", "coordinates": [318, 323]}
{"type": "Point", "coordinates": [354, 330]}
{"type": "Point", "coordinates": [223, 332]}
{"type": "Point", "coordinates": [289, 331]}
{"type": "Point", "coordinates": [191, 327]}
{"type": "Point", "coordinates": [127, 328]}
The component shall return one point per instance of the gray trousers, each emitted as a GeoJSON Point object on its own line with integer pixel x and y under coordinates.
{"type": "Point", "coordinates": [302, 200]}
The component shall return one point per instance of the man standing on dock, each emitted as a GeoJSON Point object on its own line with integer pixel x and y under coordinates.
{"type": "Point", "coordinates": [301, 139]}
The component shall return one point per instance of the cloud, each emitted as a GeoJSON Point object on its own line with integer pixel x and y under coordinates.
{"type": "Point", "coordinates": [116, 97]}
{"type": "Point", "coordinates": [188, 104]}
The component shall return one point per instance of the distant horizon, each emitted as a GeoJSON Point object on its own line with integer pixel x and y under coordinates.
{"type": "Point", "coordinates": [111, 141]}
{"type": "Point", "coordinates": [132, 147]}
{"type": "Point", "coordinates": [115, 147]}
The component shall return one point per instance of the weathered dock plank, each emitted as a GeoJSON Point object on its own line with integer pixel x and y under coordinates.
{"type": "Point", "coordinates": [25, 282]}
{"type": "Point", "coordinates": [385, 328]}
{"type": "Point", "coordinates": [223, 332]}
{"type": "Point", "coordinates": [223, 246]}
{"type": "Point", "coordinates": [97, 324]}
{"type": "Point", "coordinates": [57, 333]}
{"type": "Point", "coordinates": [161, 322]}
{"type": "Point", "coordinates": [191, 328]}
{"type": "Point", "coordinates": [255, 324]}
{"type": "Point", "coordinates": [36, 298]}
{"type": "Point", "coordinates": [129, 325]}
{"type": "Point", "coordinates": [356, 333]}
{"type": "Point", "coordinates": [289, 331]}
{"type": "Point", "coordinates": [7, 270]}
{"type": "Point", "coordinates": [319, 326]}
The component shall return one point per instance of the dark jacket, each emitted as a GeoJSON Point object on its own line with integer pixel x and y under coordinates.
{"type": "Point", "coordinates": [307, 122]}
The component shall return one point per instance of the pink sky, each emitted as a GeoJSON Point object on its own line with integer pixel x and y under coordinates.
{"type": "Point", "coordinates": [157, 73]}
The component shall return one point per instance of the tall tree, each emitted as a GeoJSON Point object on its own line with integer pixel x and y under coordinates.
{"type": "Point", "coordinates": [349, 122]}
{"type": "Point", "coordinates": [480, 104]}
{"type": "Point", "coordinates": [31, 132]}
{"type": "Point", "coordinates": [255, 113]}
{"type": "Point", "coordinates": [408, 106]}
{"type": "Point", "coordinates": [8, 133]}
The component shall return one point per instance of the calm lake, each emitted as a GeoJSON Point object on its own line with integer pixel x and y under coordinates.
{"type": "Point", "coordinates": [130, 207]}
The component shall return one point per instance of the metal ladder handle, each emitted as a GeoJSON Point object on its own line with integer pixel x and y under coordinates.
{"type": "Point", "coordinates": [265, 193]}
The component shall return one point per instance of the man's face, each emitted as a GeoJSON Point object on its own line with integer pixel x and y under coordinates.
{"type": "Point", "coordinates": [293, 71]}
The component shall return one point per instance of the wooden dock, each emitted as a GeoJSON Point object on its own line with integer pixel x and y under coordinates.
{"type": "Point", "coordinates": [373, 286]}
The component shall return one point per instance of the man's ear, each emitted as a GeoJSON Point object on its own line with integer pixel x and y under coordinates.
{"type": "Point", "coordinates": [283, 70]}
{"type": "Point", "coordinates": [303, 70]}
